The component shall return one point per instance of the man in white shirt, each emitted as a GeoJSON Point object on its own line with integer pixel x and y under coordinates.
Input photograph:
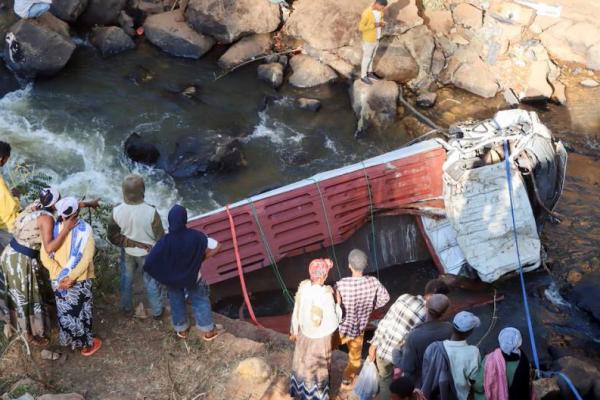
{"type": "Point", "coordinates": [464, 359]}
{"type": "Point", "coordinates": [136, 226]}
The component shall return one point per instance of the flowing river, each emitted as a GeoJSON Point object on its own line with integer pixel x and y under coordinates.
{"type": "Point", "coordinates": [73, 127]}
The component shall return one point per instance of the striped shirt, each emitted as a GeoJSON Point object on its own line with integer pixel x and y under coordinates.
{"type": "Point", "coordinates": [360, 296]}
{"type": "Point", "coordinates": [407, 312]}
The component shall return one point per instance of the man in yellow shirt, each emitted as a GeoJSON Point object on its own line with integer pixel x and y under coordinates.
{"type": "Point", "coordinates": [9, 205]}
{"type": "Point", "coordinates": [371, 25]}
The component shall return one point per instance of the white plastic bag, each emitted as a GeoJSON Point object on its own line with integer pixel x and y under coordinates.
{"type": "Point", "coordinates": [367, 384]}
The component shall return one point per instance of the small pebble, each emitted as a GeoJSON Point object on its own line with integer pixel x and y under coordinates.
{"type": "Point", "coordinates": [589, 83]}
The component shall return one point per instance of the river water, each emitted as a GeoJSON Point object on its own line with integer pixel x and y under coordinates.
{"type": "Point", "coordinates": [72, 128]}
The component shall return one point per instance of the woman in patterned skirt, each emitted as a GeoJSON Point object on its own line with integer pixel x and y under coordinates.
{"type": "Point", "coordinates": [314, 320]}
{"type": "Point", "coordinates": [71, 270]}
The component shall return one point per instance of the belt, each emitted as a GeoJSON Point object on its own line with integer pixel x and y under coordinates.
{"type": "Point", "coordinates": [26, 251]}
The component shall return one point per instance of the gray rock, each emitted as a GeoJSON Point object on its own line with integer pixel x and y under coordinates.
{"type": "Point", "coordinates": [246, 49]}
{"type": "Point", "coordinates": [581, 372]}
{"type": "Point", "coordinates": [8, 82]}
{"type": "Point", "coordinates": [126, 23]}
{"type": "Point", "coordinates": [271, 73]}
{"type": "Point", "coordinates": [374, 105]}
{"type": "Point", "coordinates": [147, 8]}
{"type": "Point", "coordinates": [309, 72]}
{"type": "Point", "coordinates": [111, 40]}
{"type": "Point", "coordinates": [66, 396]}
{"type": "Point", "coordinates": [32, 49]}
{"type": "Point", "coordinates": [538, 88]}
{"type": "Point", "coordinates": [426, 100]}
{"type": "Point", "coordinates": [593, 57]}
{"type": "Point", "coordinates": [176, 38]}
{"type": "Point", "coordinates": [283, 60]}
{"type": "Point", "coordinates": [227, 21]}
{"type": "Point", "coordinates": [139, 150]}
{"type": "Point", "coordinates": [589, 83]}
{"type": "Point", "coordinates": [68, 10]}
{"type": "Point", "coordinates": [394, 62]}
{"type": "Point", "coordinates": [586, 296]}
{"type": "Point", "coordinates": [313, 105]}
{"type": "Point", "coordinates": [559, 94]}
{"type": "Point", "coordinates": [57, 25]}
{"type": "Point", "coordinates": [102, 12]}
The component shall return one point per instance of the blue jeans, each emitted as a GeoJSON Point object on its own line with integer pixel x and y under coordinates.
{"type": "Point", "coordinates": [38, 9]}
{"type": "Point", "coordinates": [199, 294]}
{"type": "Point", "coordinates": [129, 264]}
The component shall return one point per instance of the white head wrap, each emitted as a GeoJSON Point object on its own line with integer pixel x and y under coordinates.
{"type": "Point", "coordinates": [67, 206]}
{"type": "Point", "coordinates": [510, 340]}
{"type": "Point", "coordinates": [49, 197]}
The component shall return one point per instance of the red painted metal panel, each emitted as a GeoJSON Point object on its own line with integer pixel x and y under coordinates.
{"type": "Point", "coordinates": [294, 222]}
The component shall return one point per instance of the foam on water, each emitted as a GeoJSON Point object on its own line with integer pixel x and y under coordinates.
{"type": "Point", "coordinates": [77, 159]}
{"type": "Point", "coordinates": [276, 131]}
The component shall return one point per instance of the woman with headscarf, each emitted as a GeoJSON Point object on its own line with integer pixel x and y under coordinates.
{"type": "Point", "coordinates": [21, 302]}
{"type": "Point", "coordinates": [175, 261]}
{"type": "Point", "coordinates": [315, 318]}
{"type": "Point", "coordinates": [71, 269]}
{"type": "Point", "coordinates": [505, 373]}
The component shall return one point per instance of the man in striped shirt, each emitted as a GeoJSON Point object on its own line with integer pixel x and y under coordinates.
{"type": "Point", "coordinates": [407, 312]}
{"type": "Point", "coordinates": [358, 295]}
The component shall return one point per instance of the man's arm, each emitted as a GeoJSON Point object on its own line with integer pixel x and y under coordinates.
{"type": "Point", "coordinates": [382, 296]}
{"type": "Point", "coordinates": [212, 248]}
{"type": "Point", "coordinates": [157, 227]}
{"type": "Point", "coordinates": [409, 358]}
{"type": "Point", "coordinates": [114, 236]}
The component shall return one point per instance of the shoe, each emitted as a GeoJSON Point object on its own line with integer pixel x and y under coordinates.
{"type": "Point", "coordinates": [372, 75]}
{"type": "Point", "coordinates": [210, 336]}
{"type": "Point", "coordinates": [96, 345]}
{"type": "Point", "coordinates": [366, 80]}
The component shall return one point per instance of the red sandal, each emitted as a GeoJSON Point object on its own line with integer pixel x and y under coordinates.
{"type": "Point", "coordinates": [89, 351]}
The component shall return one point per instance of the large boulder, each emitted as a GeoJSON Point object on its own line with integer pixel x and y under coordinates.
{"type": "Point", "coordinates": [582, 373]}
{"type": "Point", "coordinates": [194, 157]}
{"type": "Point", "coordinates": [309, 72]}
{"type": "Point", "coordinates": [32, 49]}
{"type": "Point", "coordinates": [102, 12]}
{"type": "Point", "coordinates": [394, 62]}
{"type": "Point", "coordinates": [246, 49]}
{"type": "Point", "coordinates": [574, 42]}
{"type": "Point", "coordinates": [586, 296]}
{"type": "Point", "coordinates": [271, 73]}
{"type": "Point", "coordinates": [139, 150]}
{"type": "Point", "coordinates": [68, 10]}
{"type": "Point", "coordinates": [374, 105]}
{"type": "Point", "coordinates": [467, 71]}
{"type": "Point", "coordinates": [111, 40]}
{"type": "Point", "coordinates": [8, 82]}
{"type": "Point", "coordinates": [175, 37]}
{"type": "Point", "coordinates": [228, 20]}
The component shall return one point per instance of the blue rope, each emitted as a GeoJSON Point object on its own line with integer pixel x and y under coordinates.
{"type": "Point", "coordinates": [536, 359]}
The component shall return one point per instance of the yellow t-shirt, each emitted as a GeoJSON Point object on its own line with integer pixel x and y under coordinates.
{"type": "Point", "coordinates": [9, 207]}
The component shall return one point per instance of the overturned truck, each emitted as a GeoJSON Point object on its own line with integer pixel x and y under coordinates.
{"type": "Point", "coordinates": [445, 200]}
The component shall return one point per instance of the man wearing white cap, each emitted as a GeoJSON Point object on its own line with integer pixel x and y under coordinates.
{"type": "Point", "coordinates": [463, 358]}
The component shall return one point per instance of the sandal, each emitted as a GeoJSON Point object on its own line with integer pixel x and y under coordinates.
{"type": "Point", "coordinates": [89, 351]}
{"type": "Point", "coordinates": [182, 334]}
{"type": "Point", "coordinates": [210, 336]}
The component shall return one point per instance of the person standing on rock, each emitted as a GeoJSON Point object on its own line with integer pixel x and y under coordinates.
{"type": "Point", "coordinates": [71, 269]}
{"type": "Point", "coordinates": [136, 226]}
{"type": "Point", "coordinates": [9, 205]}
{"type": "Point", "coordinates": [371, 26]}
{"type": "Point", "coordinates": [314, 320]}
{"type": "Point", "coordinates": [175, 262]}
{"type": "Point", "coordinates": [407, 312]}
{"type": "Point", "coordinates": [358, 296]}
{"type": "Point", "coordinates": [31, 8]}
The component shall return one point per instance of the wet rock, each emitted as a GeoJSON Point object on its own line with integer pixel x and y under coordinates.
{"type": "Point", "coordinates": [581, 372]}
{"type": "Point", "coordinates": [271, 73]}
{"type": "Point", "coordinates": [139, 150]}
{"type": "Point", "coordinates": [374, 105]}
{"type": "Point", "coordinates": [102, 12]}
{"type": "Point", "coordinates": [253, 370]}
{"type": "Point", "coordinates": [8, 82]}
{"type": "Point", "coordinates": [394, 62]}
{"type": "Point", "coordinates": [55, 24]}
{"type": "Point", "coordinates": [32, 49]}
{"type": "Point", "coordinates": [147, 8]}
{"type": "Point", "coordinates": [283, 60]}
{"type": "Point", "coordinates": [589, 83]}
{"type": "Point", "coordinates": [468, 16]}
{"type": "Point", "coordinates": [127, 23]}
{"type": "Point", "coordinates": [194, 157]}
{"type": "Point", "coordinates": [309, 72]}
{"type": "Point", "coordinates": [547, 389]}
{"type": "Point", "coordinates": [246, 49]}
{"type": "Point", "coordinates": [111, 40]}
{"type": "Point", "coordinates": [586, 295]}
{"type": "Point", "coordinates": [68, 10]}
{"type": "Point", "coordinates": [26, 396]}
{"type": "Point", "coordinates": [176, 38]}
{"type": "Point", "coordinates": [140, 75]}
{"type": "Point", "coordinates": [66, 396]}
{"type": "Point", "coordinates": [227, 21]}
{"type": "Point", "coordinates": [308, 104]}
{"type": "Point", "coordinates": [426, 100]}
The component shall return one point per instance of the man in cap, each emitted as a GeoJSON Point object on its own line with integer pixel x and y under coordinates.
{"type": "Point", "coordinates": [136, 226]}
{"type": "Point", "coordinates": [9, 205]}
{"type": "Point", "coordinates": [463, 358]}
{"type": "Point", "coordinates": [432, 330]}
{"type": "Point", "coordinates": [407, 312]}
{"type": "Point", "coordinates": [371, 27]}
{"type": "Point", "coordinates": [358, 296]}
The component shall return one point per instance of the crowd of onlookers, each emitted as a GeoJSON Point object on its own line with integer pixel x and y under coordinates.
{"type": "Point", "coordinates": [417, 353]}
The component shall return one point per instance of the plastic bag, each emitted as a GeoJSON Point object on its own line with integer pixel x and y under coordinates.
{"type": "Point", "coordinates": [367, 384]}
